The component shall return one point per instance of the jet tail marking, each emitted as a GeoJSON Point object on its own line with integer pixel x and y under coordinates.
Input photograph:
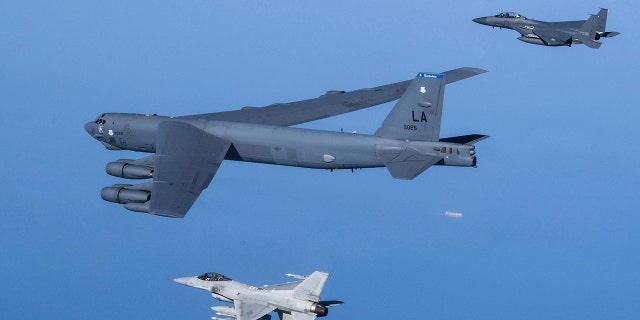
{"type": "Point", "coordinates": [592, 29]}
{"type": "Point", "coordinates": [418, 113]}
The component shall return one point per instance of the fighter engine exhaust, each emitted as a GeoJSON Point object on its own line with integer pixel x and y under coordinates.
{"type": "Point", "coordinates": [319, 309]}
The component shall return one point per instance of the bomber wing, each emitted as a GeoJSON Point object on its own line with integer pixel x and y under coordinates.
{"type": "Point", "coordinates": [186, 160]}
{"type": "Point", "coordinates": [251, 309]}
{"type": "Point", "coordinates": [328, 105]}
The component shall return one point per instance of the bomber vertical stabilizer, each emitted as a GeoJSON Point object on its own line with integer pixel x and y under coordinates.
{"type": "Point", "coordinates": [417, 115]}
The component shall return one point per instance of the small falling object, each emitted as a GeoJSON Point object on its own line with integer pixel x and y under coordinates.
{"type": "Point", "coordinates": [453, 214]}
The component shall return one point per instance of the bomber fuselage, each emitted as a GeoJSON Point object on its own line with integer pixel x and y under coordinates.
{"type": "Point", "coordinates": [274, 144]}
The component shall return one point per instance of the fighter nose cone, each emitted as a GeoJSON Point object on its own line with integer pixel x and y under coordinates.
{"type": "Point", "coordinates": [183, 281]}
{"type": "Point", "coordinates": [482, 20]}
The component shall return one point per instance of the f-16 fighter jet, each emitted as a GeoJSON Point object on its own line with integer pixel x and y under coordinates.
{"type": "Point", "coordinates": [562, 33]}
{"type": "Point", "coordinates": [188, 150]}
{"type": "Point", "coordinates": [298, 300]}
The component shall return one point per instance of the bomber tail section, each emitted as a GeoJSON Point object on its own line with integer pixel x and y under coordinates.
{"type": "Point", "coordinates": [415, 121]}
{"type": "Point", "coordinates": [417, 115]}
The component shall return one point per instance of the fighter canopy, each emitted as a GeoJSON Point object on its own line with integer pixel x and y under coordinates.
{"type": "Point", "coordinates": [212, 276]}
{"type": "Point", "coordinates": [509, 15]}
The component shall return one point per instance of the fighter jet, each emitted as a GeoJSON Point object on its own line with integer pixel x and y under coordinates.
{"type": "Point", "coordinates": [298, 300]}
{"type": "Point", "coordinates": [188, 150]}
{"type": "Point", "coordinates": [562, 33]}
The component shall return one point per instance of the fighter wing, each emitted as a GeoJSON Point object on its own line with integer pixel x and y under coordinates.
{"type": "Point", "coordinates": [330, 104]}
{"type": "Point", "coordinates": [282, 286]}
{"type": "Point", "coordinates": [302, 316]}
{"type": "Point", "coordinates": [251, 309]}
{"type": "Point", "coordinates": [186, 160]}
{"type": "Point", "coordinates": [552, 37]}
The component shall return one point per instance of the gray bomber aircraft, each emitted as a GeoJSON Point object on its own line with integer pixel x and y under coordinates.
{"type": "Point", "coordinates": [188, 150]}
{"type": "Point", "coordinates": [562, 33]}
{"type": "Point", "coordinates": [298, 300]}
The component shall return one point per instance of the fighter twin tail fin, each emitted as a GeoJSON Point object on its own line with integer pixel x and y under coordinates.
{"type": "Point", "coordinates": [595, 28]}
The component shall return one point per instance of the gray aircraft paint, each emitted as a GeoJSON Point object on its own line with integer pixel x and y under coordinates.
{"type": "Point", "coordinates": [297, 300]}
{"type": "Point", "coordinates": [561, 33]}
{"type": "Point", "coordinates": [188, 150]}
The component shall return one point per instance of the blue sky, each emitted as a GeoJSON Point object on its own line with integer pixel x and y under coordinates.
{"type": "Point", "coordinates": [550, 225]}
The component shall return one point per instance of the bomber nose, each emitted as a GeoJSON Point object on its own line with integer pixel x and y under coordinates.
{"type": "Point", "coordinates": [89, 128]}
{"type": "Point", "coordinates": [482, 20]}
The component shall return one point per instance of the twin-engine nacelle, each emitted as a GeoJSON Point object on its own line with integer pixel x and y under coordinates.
{"type": "Point", "coordinates": [122, 194]}
{"type": "Point", "coordinates": [134, 198]}
{"type": "Point", "coordinates": [125, 169]}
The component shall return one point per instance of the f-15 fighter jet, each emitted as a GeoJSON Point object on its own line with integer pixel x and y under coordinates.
{"type": "Point", "coordinates": [562, 33]}
{"type": "Point", "coordinates": [298, 300]}
{"type": "Point", "coordinates": [188, 150]}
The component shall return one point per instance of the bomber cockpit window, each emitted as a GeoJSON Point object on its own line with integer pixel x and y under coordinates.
{"type": "Point", "coordinates": [212, 276]}
{"type": "Point", "coordinates": [101, 120]}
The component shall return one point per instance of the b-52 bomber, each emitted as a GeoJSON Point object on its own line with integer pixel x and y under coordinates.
{"type": "Point", "coordinates": [561, 33]}
{"type": "Point", "coordinates": [297, 300]}
{"type": "Point", "coordinates": [188, 150]}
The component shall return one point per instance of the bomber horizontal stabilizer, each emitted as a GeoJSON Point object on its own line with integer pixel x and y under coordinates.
{"type": "Point", "coordinates": [406, 163]}
{"type": "Point", "coordinates": [469, 139]}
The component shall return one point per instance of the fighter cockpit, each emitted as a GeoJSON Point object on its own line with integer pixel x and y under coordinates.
{"type": "Point", "coordinates": [212, 276]}
{"type": "Point", "coordinates": [509, 15]}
